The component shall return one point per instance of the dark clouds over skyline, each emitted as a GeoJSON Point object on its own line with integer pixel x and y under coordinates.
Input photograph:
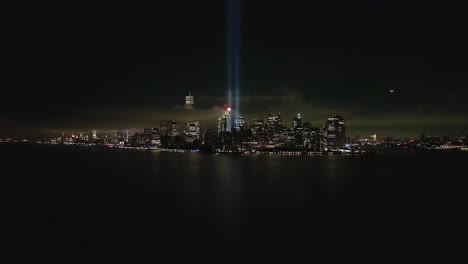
{"type": "Point", "coordinates": [115, 67]}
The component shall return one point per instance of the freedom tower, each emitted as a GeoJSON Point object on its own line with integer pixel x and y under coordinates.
{"type": "Point", "coordinates": [233, 57]}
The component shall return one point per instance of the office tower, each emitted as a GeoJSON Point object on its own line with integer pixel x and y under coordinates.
{"type": "Point", "coordinates": [225, 122]}
{"type": "Point", "coordinates": [189, 101]}
{"type": "Point", "coordinates": [94, 132]}
{"type": "Point", "coordinates": [221, 124]}
{"type": "Point", "coordinates": [257, 127]}
{"type": "Point", "coordinates": [274, 122]}
{"type": "Point", "coordinates": [126, 135]}
{"type": "Point", "coordinates": [315, 143]}
{"type": "Point", "coordinates": [174, 129]}
{"type": "Point", "coordinates": [165, 127]}
{"type": "Point", "coordinates": [155, 138]}
{"type": "Point", "coordinates": [147, 131]}
{"type": "Point", "coordinates": [119, 136]}
{"type": "Point", "coordinates": [297, 121]}
{"type": "Point", "coordinates": [335, 133]}
{"type": "Point", "coordinates": [298, 137]}
{"type": "Point", "coordinates": [239, 123]}
{"type": "Point", "coordinates": [192, 131]}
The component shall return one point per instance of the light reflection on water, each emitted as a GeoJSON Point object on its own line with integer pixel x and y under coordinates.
{"type": "Point", "coordinates": [256, 203]}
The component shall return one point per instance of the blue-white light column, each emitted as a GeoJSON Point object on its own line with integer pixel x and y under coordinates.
{"type": "Point", "coordinates": [233, 14]}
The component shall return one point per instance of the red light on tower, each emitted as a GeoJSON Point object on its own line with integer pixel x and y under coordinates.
{"type": "Point", "coordinates": [225, 107]}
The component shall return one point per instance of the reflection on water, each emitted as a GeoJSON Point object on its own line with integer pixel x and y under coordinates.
{"type": "Point", "coordinates": [251, 205]}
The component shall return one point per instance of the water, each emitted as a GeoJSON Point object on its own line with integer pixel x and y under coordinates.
{"type": "Point", "coordinates": [197, 207]}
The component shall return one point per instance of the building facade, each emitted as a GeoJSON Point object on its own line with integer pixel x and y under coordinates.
{"type": "Point", "coordinates": [335, 133]}
{"type": "Point", "coordinates": [192, 131]}
{"type": "Point", "coordinates": [189, 100]}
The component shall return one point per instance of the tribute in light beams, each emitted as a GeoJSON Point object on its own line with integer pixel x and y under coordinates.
{"type": "Point", "coordinates": [233, 57]}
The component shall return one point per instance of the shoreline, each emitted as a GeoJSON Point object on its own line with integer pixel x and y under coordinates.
{"type": "Point", "coordinates": [262, 152]}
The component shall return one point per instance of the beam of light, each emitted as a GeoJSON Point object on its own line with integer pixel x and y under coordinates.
{"type": "Point", "coordinates": [233, 40]}
{"type": "Point", "coordinates": [236, 56]}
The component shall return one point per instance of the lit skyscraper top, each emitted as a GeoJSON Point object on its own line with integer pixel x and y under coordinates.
{"type": "Point", "coordinates": [189, 101]}
{"type": "Point", "coordinates": [297, 121]}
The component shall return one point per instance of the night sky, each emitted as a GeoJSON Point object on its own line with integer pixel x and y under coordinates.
{"type": "Point", "coordinates": [77, 66]}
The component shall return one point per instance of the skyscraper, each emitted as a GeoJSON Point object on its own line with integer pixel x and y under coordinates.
{"type": "Point", "coordinates": [174, 129]}
{"type": "Point", "coordinates": [297, 121]}
{"type": "Point", "coordinates": [315, 139]}
{"type": "Point", "coordinates": [165, 127]}
{"type": "Point", "coordinates": [335, 133]}
{"type": "Point", "coordinates": [192, 131]}
{"type": "Point", "coordinates": [221, 124]}
{"type": "Point", "coordinates": [274, 122]}
{"type": "Point", "coordinates": [225, 122]}
{"type": "Point", "coordinates": [147, 131]}
{"type": "Point", "coordinates": [155, 138]}
{"type": "Point", "coordinates": [189, 101]}
{"type": "Point", "coordinates": [239, 123]}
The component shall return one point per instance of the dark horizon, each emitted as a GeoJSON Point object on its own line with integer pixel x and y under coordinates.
{"type": "Point", "coordinates": [115, 68]}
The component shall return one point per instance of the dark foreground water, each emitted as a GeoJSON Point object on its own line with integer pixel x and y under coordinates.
{"type": "Point", "coordinates": [72, 202]}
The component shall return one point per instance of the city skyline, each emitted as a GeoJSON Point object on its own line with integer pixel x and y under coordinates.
{"type": "Point", "coordinates": [389, 68]}
{"type": "Point", "coordinates": [186, 111]}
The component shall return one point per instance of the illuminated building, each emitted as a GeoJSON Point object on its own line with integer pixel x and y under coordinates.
{"type": "Point", "coordinates": [462, 138]}
{"type": "Point", "coordinates": [225, 122]}
{"type": "Point", "coordinates": [147, 131]}
{"type": "Point", "coordinates": [299, 137]}
{"type": "Point", "coordinates": [430, 142]}
{"type": "Point", "coordinates": [169, 128]}
{"type": "Point", "coordinates": [297, 121]}
{"type": "Point", "coordinates": [287, 138]}
{"type": "Point", "coordinates": [374, 137]}
{"type": "Point", "coordinates": [274, 127]}
{"type": "Point", "coordinates": [257, 123]}
{"type": "Point", "coordinates": [189, 101]}
{"type": "Point", "coordinates": [335, 133]}
{"type": "Point", "coordinates": [315, 138]}
{"type": "Point", "coordinates": [155, 138]}
{"type": "Point", "coordinates": [126, 136]}
{"type": "Point", "coordinates": [274, 122]}
{"type": "Point", "coordinates": [94, 132]}
{"type": "Point", "coordinates": [227, 116]}
{"type": "Point", "coordinates": [174, 129]}
{"type": "Point", "coordinates": [221, 124]}
{"type": "Point", "coordinates": [257, 128]}
{"type": "Point", "coordinates": [164, 127]}
{"type": "Point", "coordinates": [119, 136]}
{"type": "Point", "coordinates": [192, 131]}
{"type": "Point", "coordinates": [239, 123]}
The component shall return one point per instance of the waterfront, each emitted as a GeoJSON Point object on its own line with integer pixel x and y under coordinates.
{"type": "Point", "coordinates": [219, 208]}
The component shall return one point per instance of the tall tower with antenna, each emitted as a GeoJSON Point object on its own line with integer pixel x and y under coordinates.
{"type": "Point", "coordinates": [189, 102]}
